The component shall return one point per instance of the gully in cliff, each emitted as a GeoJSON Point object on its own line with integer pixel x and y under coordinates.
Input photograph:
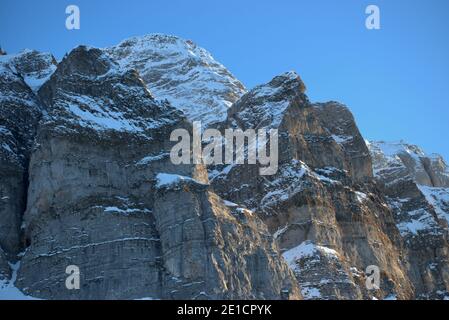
{"type": "Point", "coordinates": [233, 142]}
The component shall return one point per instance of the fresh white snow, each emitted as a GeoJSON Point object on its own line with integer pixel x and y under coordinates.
{"type": "Point", "coordinates": [418, 221]}
{"type": "Point", "coordinates": [8, 290]}
{"type": "Point", "coordinates": [230, 204]}
{"type": "Point", "coordinates": [148, 159]}
{"type": "Point", "coordinates": [342, 139]}
{"type": "Point", "coordinates": [439, 199]}
{"type": "Point", "coordinates": [181, 72]}
{"type": "Point", "coordinates": [96, 114]}
{"type": "Point", "coordinates": [307, 249]}
{"type": "Point", "coordinates": [168, 179]}
{"type": "Point", "coordinates": [125, 211]}
{"type": "Point", "coordinates": [361, 197]}
{"type": "Point", "coordinates": [309, 292]}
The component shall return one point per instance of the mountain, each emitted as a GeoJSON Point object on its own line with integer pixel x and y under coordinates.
{"type": "Point", "coordinates": [87, 181]}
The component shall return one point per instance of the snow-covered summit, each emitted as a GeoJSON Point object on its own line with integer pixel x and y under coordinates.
{"type": "Point", "coordinates": [181, 72]}
{"type": "Point", "coordinates": [393, 148]}
{"type": "Point", "coordinates": [35, 67]}
{"type": "Point", "coordinates": [400, 159]}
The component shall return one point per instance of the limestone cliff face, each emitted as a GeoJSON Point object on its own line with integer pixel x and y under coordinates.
{"type": "Point", "coordinates": [94, 201]}
{"type": "Point", "coordinates": [33, 66]}
{"type": "Point", "coordinates": [183, 73]}
{"type": "Point", "coordinates": [212, 249]}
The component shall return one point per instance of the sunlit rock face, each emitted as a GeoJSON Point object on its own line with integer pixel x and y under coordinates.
{"type": "Point", "coordinates": [323, 195]}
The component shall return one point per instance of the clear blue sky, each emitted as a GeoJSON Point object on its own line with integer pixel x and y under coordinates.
{"type": "Point", "coordinates": [395, 80]}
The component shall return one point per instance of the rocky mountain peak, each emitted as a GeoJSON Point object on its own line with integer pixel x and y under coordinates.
{"type": "Point", "coordinates": [181, 72]}
{"type": "Point", "coordinates": [173, 45]}
{"type": "Point", "coordinates": [394, 160]}
{"type": "Point", "coordinates": [86, 61]}
{"type": "Point", "coordinates": [35, 67]}
{"type": "Point", "coordinates": [90, 91]}
{"type": "Point", "coordinates": [266, 104]}
{"type": "Point", "coordinates": [282, 84]}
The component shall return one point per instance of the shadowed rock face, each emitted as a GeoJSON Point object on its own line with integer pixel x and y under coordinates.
{"type": "Point", "coordinates": [87, 180]}
{"type": "Point", "coordinates": [19, 114]}
{"type": "Point", "coordinates": [395, 160]}
{"type": "Point", "coordinates": [94, 201]}
{"type": "Point", "coordinates": [5, 272]}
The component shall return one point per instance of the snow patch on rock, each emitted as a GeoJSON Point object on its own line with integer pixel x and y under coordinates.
{"type": "Point", "coordinates": [8, 290]}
